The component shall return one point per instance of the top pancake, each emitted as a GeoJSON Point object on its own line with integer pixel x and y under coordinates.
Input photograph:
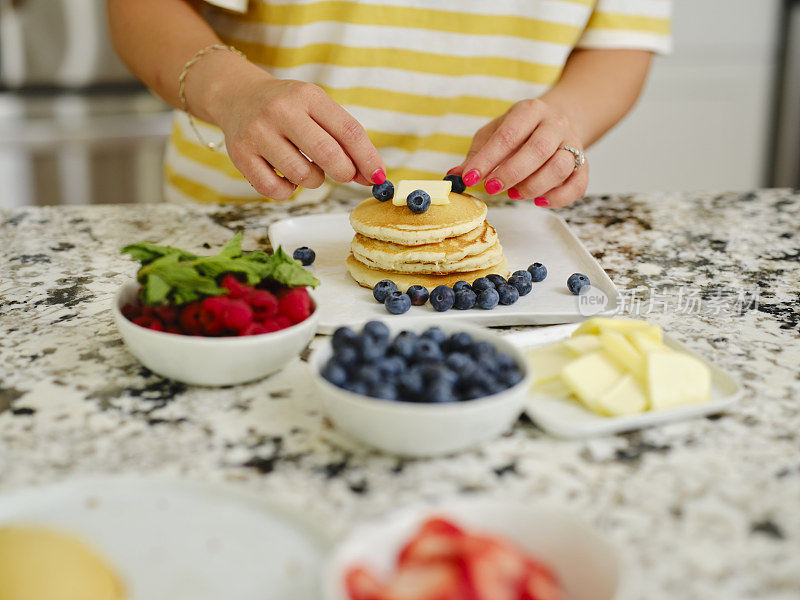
{"type": "Point", "coordinates": [390, 223]}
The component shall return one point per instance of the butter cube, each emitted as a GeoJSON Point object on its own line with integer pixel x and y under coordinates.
{"type": "Point", "coordinates": [591, 376]}
{"type": "Point", "coordinates": [439, 191]}
{"type": "Point", "coordinates": [546, 363]}
{"type": "Point", "coordinates": [623, 353]}
{"type": "Point", "coordinates": [582, 344]}
{"type": "Point", "coordinates": [623, 398]}
{"type": "Point", "coordinates": [676, 379]}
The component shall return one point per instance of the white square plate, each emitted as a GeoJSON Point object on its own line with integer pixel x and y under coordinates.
{"type": "Point", "coordinates": [566, 418]}
{"type": "Point", "coordinates": [527, 235]}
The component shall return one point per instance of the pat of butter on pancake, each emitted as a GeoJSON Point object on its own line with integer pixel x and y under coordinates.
{"type": "Point", "coordinates": [439, 191]}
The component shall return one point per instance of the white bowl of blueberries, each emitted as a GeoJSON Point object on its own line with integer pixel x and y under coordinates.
{"type": "Point", "coordinates": [416, 390]}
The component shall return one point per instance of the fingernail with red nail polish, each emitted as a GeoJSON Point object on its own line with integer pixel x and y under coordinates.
{"type": "Point", "coordinates": [378, 177]}
{"type": "Point", "coordinates": [471, 177]}
{"type": "Point", "coordinates": [493, 186]}
{"type": "Point", "coordinates": [541, 201]}
{"type": "Point", "coordinates": [514, 194]}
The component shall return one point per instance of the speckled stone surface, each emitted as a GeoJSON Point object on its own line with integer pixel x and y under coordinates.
{"type": "Point", "coordinates": [703, 509]}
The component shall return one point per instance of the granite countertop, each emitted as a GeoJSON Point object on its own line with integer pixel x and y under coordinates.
{"type": "Point", "coordinates": [705, 509]}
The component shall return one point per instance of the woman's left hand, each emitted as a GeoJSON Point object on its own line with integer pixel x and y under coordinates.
{"type": "Point", "coordinates": [522, 152]}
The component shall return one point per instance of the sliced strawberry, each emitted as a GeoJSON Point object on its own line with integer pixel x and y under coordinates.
{"type": "Point", "coordinates": [438, 539]}
{"type": "Point", "coordinates": [541, 584]}
{"type": "Point", "coordinates": [495, 569]}
{"type": "Point", "coordinates": [363, 585]}
{"type": "Point", "coordinates": [435, 581]}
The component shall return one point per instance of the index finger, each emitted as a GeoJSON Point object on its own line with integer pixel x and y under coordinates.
{"type": "Point", "coordinates": [341, 125]}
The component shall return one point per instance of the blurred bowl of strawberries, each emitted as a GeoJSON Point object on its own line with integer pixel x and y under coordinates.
{"type": "Point", "coordinates": [473, 550]}
{"type": "Point", "coordinates": [215, 320]}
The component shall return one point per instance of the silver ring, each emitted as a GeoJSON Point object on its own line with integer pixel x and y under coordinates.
{"type": "Point", "coordinates": [580, 157]}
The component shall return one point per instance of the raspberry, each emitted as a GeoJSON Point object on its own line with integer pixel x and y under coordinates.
{"type": "Point", "coordinates": [189, 319]}
{"type": "Point", "coordinates": [211, 311]}
{"type": "Point", "coordinates": [150, 323]}
{"type": "Point", "coordinates": [167, 313]}
{"type": "Point", "coordinates": [131, 311]}
{"type": "Point", "coordinates": [296, 305]}
{"type": "Point", "coordinates": [277, 323]}
{"type": "Point", "coordinates": [235, 288]}
{"type": "Point", "coordinates": [254, 329]}
{"type": "Point", "coordinates": [263, 303]}
{"type": "Point", "coordinates": [237, 315]}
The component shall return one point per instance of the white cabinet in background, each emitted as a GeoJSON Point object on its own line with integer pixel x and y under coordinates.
{"type": "Point", "coordinates": [704, 119]}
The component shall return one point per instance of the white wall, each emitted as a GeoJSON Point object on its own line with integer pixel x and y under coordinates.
{"type": "Point", "coordinates": [703, 120]}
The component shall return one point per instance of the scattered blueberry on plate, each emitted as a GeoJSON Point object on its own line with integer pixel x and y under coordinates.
{"type": "Point", "coordinates": [397, 303]}
{"type": "Point", "coordinates": [576, 283]}
{"type": "Point", "coordinates": [442, 298]}
{"type": "Point", "coordinates": [465, 299]}
{"type": "Point", "coordinates": [488, 299]}
{"type": "Point", "coordinates": [458, 184]}
{"type": "Point", "coordinates": [521, 283]}
{"type": "Point", "coordinates": [418, 294]}
{"type": "Point", "coordinates": [522, 273]}
{"type": "Point", "coordinates": [458, 285]}
{"type": "Point", "coordinates": [427, 368]}
{"type": "Point", "coordinates": [305, 255]}
{"type": "Point", "coordinates": [383, 191]}
{"type": "Point", "coordinates": [497, 280]}
{"type": "Point", "coordinates": [538, 272]}
{"type": "Point", "coordinates": [418, 201]}
{"type": "Point", "coordinates": [481, 284]}
{"type": "Point", "coordinates": [507, 294]}
{"type": "Point", "coordinates": [382, 289]}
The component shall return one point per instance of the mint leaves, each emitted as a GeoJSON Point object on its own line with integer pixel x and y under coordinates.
{"type": "Point", "coordinates": [174, 276]}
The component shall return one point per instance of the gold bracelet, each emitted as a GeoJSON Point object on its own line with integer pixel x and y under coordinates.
{"type": "Point", "coordinates": [182, 90]}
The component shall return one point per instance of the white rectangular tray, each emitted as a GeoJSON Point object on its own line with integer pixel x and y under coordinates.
{"type": "Point", "coordinates": [566, 418]}
{"type": "Point", "coordinates": [527, 235]}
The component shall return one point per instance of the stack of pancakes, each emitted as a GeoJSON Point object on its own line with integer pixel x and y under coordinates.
{"type": "Point", "coordinates": [445, 244]}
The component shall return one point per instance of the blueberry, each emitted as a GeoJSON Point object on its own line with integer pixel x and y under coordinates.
{"type": "Point", "coordinates": [410, 385]}
{"type": "Point", "coordinates": [576, 283]}
{"type": "Point", "coordinates": [510, 377]}
{"type": "Point", "coordinates": [383, 191]}
{"type": "Point", "coordinates": [343, 336]}
{"type": "Point", "coordinates": [305, 255]}
{"type": "Point", "coordinates": [369, 374]}
{"type": "Point", "coordinates": [418, 294]}
{"type": "Point", "coordinates": [418, 201]}
{"type": "Point", "coordinates": [397, 303]}
{"type": "Point", "coordinates": [458, 184]}
{"type": "Point", "coordinates": [369, 349]}
{"type": "Point", "coordinates": [334, 373]}
{"type": "Point", "coordinates": [384, 390]}
{"type": "Point", "coordinates": [523, 273]}
{"type": "Point", "coordinates": [521, 283]}
{"type": "Point", "coordinates": [428, 351]}
{"type": "Point", "coordinates": [473, 392]}
{"type": "Point", "coordinates": [504, 361]}
{"type": "Point", "coordinates": [508, 294]}
{"type": "Point", "coordinates": [347, 356]}
{"type": "Point", "coordinates": [377, 330]}
{"type": "Point", "coordinates": [432, 374]}
{"type": "Point", "coordinates": [391, 367]}
{"type": "Point", "coordinates": [356, 387]}
{"type": "Point", "coordinates": [465, 299]}
{"type": "Point", "coordinates": [481, 284]}
{"type": "Point", "coordinates": [442, 298]}
{"type": "Point", "coordinates": [403, 347]}
{"type": "Point", "coordinates": [439, 392]}
{"type": "Point", "coordinates": [538, 272]}
{"type": "Point", "coordinates": [460, 285]}
{"type": "Point", "coordinates": [487, 364]}
{"type": "Point", "coordinates": [382, 289]}
{"type": "Point", "coordinates": [483, 348]}
{"type": "Point", "coordinates": [488, 299]}
{"type": "Point", "coordinates": [459, 362]}
{"type": "Point", "coordinates": [497, 280]}
{"type": "Point", "coordinates": [458, 342]}
{"type": "Point", "coordinates": [434, 333]}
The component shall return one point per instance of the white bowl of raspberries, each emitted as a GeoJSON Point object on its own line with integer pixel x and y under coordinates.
{"type": "Point", "coordinates": [416, 390]}
{"type": "Point", "coordinates": [233, 333]}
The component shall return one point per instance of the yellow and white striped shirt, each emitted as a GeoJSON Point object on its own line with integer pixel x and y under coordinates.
{"type": "Point", "coordinates": [421, 76]}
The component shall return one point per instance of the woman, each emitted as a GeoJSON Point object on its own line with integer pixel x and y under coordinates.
{"type": "Point", "coordinates": [506, 93]}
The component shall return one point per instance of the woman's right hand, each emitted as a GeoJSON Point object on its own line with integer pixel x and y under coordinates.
{"type": "Point", "coordinates": [270, 122]}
